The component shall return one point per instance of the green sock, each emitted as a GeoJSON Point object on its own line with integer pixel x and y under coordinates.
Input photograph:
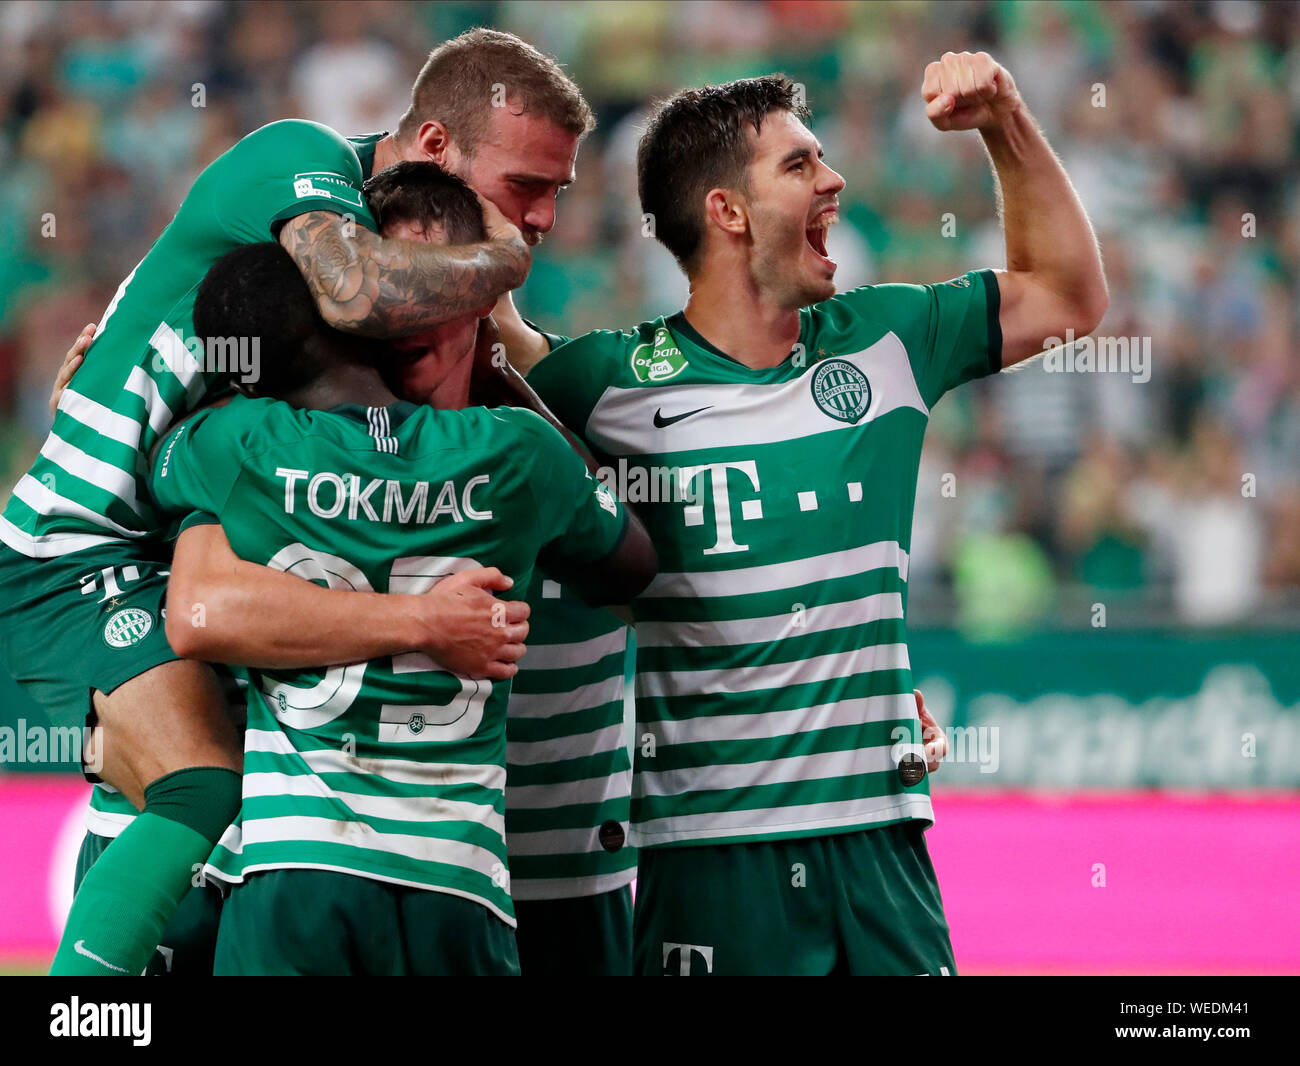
{"type": "Point", "coordinates": [129, 895]}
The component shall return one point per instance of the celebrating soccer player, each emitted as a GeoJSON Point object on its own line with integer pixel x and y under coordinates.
{"type": "Point", "coordinates": [80, 531]}
{"type": "Point", "coordinates": [374, 795]}
{"type": "Point", "coordinates": [780, 791]}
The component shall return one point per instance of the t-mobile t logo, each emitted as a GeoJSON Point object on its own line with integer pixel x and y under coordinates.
{"type": "Point", "coordinates": [684, 964]}
{"type": "Point", "coordinates": [722, 520]}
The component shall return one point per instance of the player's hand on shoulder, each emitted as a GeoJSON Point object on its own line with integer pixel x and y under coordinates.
{"type": "Point", "coordinates": [75, 357]}
{"type": "Point", "coordinates": [469, 631]}
{"type": "Point", "coordinates": [968, 91]}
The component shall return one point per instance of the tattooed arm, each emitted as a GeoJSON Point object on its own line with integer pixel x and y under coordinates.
{"type": "Point", "coordinates": [384, 287]}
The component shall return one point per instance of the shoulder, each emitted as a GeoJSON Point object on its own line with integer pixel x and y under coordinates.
{"type": "Point", "coordinates": [296, 145]}
{"type": "Point", "coordinates": [606, 354]}
{"type": "Point", "coordinates": [290, 133]}
{"type": "Point", "coordinates": [516, 422]}
{"type": "Point", "coordinates": [886, 305]}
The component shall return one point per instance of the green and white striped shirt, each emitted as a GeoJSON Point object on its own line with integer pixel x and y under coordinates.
{"type": "Point", "coordinates": [774, 691]}
{"type": "Point", "coordinates": [569, 775]}
{"type": "Point", "coordinates": [392, 769]}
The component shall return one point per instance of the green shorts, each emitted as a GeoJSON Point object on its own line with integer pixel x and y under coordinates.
{"type": "Point", "coordinates": [864, 902]}
{"type": "Point", "coordinates": [321, 923]}
{"type": "Point", "coordinates": [77, 623]}
{"type": "Point", "coordinates": [587, 936]}
{"type": "Point", "coordinates": [189, 939]}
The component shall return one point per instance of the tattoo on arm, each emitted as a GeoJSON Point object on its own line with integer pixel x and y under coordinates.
{"type": "Point", "coordinates": [379, 287]}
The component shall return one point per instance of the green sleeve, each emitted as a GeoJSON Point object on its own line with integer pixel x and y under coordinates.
{"type": "Point", "coordinates": [576, 374]}
{"type": "Point", "coordinates": [581, 521]}
{"type": "Point", "coordinates": [553, 340]}
{"type": "Point", "coordinates": [283, 170]}
{"type": "Point", "coordinates": [950, 330]}
{"type": "Point", "coordinates": [196, 467]}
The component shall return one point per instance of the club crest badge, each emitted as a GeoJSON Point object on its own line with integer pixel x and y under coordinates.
{"type": "Point", "coordinates": [841, 390]}
{"type": "Point", "coordinates": [127, 627]}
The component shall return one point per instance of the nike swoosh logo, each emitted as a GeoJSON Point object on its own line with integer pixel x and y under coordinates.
{"type": "Point", "coordinates": [80, 949]}
{"type": "Point", "coordinates": [661, 422]}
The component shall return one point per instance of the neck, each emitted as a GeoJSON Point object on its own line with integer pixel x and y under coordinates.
{"type": "Point", "coordinates": [343, 384]}
{"type": "Point", "coordinates": [387, 153]}
{"type": "Point", "coordinates": [452, 392]}
{"type": "Point", "coordinates": [728, 310]}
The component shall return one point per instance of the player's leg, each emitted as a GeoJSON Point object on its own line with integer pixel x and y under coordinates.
{"type": "Point", "coordinates": [93, 622]}
{"type": "Point", "coordinates": [890, 913]}
{"type": "Point", "coordinates": [188, 943]}
{"type": "Point", "coordinates": [586, 936]}
{"type": "Point", "coordinates": [735, 910]}
{"type": "Point", "coordinates": [442, 935]}
{"type": "Point", "coordinates": [170, 747]}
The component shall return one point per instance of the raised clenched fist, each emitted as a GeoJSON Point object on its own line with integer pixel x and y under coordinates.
{"type": "Point", "coordinates": [968, 91]}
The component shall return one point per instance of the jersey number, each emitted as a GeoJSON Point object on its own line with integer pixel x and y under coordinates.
{"type": "Point", "coordinates": [306, 707]}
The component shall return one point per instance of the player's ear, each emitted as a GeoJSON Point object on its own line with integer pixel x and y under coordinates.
{"type": "Point", "coordinates": [433, 142]}
{"type": "Point", "coordinates": [723, 208]}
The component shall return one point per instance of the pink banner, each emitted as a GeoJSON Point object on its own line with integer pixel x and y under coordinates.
{"type": "Point", "coordinates": [1135, 883]}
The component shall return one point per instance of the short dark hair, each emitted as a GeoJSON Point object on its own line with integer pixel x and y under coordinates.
{"type": "Point", "coordinates": [695, 141]}
{"type": "Point", "coordinates": [459, 82]}
{"type": "Point", "coordinates": [423, 193]}
{"type": "Point", "coordinates": [257, 291]}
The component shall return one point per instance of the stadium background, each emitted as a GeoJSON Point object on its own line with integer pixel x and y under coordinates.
{"type": "Point", "coordinates": [1124, 794]}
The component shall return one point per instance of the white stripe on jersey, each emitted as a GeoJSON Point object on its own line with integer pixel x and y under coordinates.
{"type": "Point", "coordinates": [591, 790]}
{"type": "Point", "coordinates": [876, 607]}
{"type": "Point", "coordinates": [44, 501]}
{"type": "Point", "coordinates": [399, 771]}
{"type": "Point", "coordinates": [49, 545]}
{"type": "Point", "coordinates": [578, 654]}
{"type": "Point", "coordinates": [563, 841]}
{"type": "Point", "coordinates": [582, 698]}
{"type": "Point", "coordinates": [105, 422]}
{"type": "Point", "coordinates": [846, 763]}
{"type": "Point", "coordinates": [160, 415]}
{"type": "Point", "coordinates": [775, 675]}
{"type": "Point", "coordinates": [177, 357]}
{"type": "Point", "coordinates": [623, 421]}
{"type": "Point", "coordinates": [772, 576]}
{"type": "Point", "coordinates": [763, 725]}
{"type": "Point", "coordinates": [96, 472]}
{"type": "Point", "coordinates": [803, 818]}
{"type": "Point", "coordinates": [569, 746]}
{"type": "Point", "coordinates": [396, 808]}
{"type": "Point", "coordinates": [288, 828]}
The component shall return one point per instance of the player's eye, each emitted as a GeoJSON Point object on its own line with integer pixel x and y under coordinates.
{"type": "Point", "coordinates": [797, 166]}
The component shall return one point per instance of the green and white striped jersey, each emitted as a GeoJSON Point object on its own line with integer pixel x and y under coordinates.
{"type": "Point", "coordinates": [392, 769]}
{"type": "Point", "coordinates": [89, 485]}
{"type": "Point", "coordinates": [774, 692]}
{"type": "Point", "coordinates": [569, 776]}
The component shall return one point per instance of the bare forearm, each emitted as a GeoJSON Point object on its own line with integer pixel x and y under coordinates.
{"type": "Point", "coordinates": [525, 347]}
{"type": "Point", "coordinates": [249, 615]}
{"type": "Point", "coordinates": [386, 287]}
{"type": "Point", "coordinates": [1047, 231]}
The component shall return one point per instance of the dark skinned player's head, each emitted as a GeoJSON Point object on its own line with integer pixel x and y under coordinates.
{"type": "Point", "coordinates": [256, 292]}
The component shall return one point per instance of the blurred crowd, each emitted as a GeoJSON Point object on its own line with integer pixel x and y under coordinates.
{"type": "Point", "coordinates": [1169, 494]}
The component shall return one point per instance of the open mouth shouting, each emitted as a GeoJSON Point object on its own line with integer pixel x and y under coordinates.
{"type": "Point", "coordinates": [816, 234]}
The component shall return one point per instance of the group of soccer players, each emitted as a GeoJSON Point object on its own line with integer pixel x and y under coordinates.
{"type": "Point", "coordinates": [359, 539]}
